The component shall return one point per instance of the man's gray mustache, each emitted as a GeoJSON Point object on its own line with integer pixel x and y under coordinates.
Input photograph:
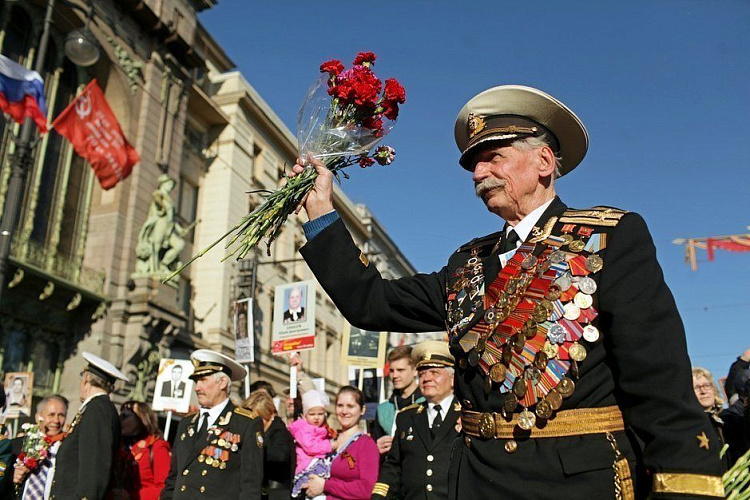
{"type": "Point", "coordinates": [487, 184]}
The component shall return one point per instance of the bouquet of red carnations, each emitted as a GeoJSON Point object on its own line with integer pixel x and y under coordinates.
{"type": "Point", "coordinates": [345, 114]}
{"type": "Point", "coordinates": [35, 447]}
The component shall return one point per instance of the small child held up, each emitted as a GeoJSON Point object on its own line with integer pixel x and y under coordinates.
{"type": "Point", "coordinates": [314, 439]}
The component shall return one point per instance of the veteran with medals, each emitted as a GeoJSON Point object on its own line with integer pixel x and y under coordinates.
{"type": "Point", "coordinates": [218, 452]}
{"type": "Point", "coordinates": [84, 460]}
{"type": "Point", "coordinates": [416, 466]}
{"type": "Point", "coordinates": [571, 360]}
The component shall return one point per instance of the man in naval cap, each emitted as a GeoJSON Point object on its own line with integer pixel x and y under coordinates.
{"type": "Point", "coordinates": [571, 361]}
{"type": "Point", "coordinates": [416, 466]}
{"type": "Point", "coordinates": [83, 466]}
{"type": "Point", "coordinates": [218, 452]}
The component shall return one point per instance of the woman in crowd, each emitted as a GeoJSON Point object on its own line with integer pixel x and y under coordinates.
{"type": "Point", "coordinates": [708, 397]}
{"type": "Point", "coordinates": [144, 458]}
{"type": "Point", "coordinates": [355, 467]}
{"type": "Point", "coordinates": [278, 468]}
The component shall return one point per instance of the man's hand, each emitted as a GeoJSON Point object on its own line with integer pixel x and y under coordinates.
{"type": "Point", "coordinates": [384, 444]}
{"type": "Point", "coordinates": [319, 201]}
{"type": "Point", "coordinates": [295, 360]}
{"type": "Point", "coordinates": [20, 473]}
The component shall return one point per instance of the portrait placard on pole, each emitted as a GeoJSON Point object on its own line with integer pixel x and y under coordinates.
{"type": "Point", "coordinates": [294, 317]}
{"type": "Point", "coordinates": [18, 387]}
{"type": "Point", "coordinates": [173, 385]}
{"type": "Point", "coordinates": [363, 348]}
{"type": "Point", "coordinates": [244, 337]}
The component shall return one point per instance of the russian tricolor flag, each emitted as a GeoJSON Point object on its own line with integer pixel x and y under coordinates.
{"type": "Point", "coordinates": [22, 93]}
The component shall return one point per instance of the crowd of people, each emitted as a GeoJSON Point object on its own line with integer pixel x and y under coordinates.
{"type": "Point", "coordinates": [306, 454]}
{"type": "Point", "coordinates": [565, 373]}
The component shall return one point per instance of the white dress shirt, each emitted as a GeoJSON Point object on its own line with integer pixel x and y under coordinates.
{"type": "Point", "coordinates": [445, 405]}
{"type": "Point", "coordinates": [524, 227]}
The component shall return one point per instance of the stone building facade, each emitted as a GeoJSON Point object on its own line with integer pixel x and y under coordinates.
{"type": "Point", "coordinates": [77, 280]}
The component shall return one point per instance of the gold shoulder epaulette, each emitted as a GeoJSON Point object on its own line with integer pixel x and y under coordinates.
{"type": "Point", "coordinates": [595, 216]}
{"type": "Point", "coordinates": [489, 239]}
{"type": "Point", "coordinates": [246, 413]}
{"type": "Point", "coordinates": [410, 407]}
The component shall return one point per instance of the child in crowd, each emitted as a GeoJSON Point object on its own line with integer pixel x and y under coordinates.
{"type": "Point", "coordinates": [314, 440]}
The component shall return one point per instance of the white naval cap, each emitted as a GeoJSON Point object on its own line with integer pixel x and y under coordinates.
{"type": "Point", "coordinates": [206, 361]}
{"type": "Point", "coordinates": [103, 368]}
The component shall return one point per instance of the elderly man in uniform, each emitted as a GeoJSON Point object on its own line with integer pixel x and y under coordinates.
{"type": "Point", "coordinates": [51, 413]}
{"type": "Point", "coordinates": [572, 367]}
{"type": "Point", "coordinates": [84, 461]}
{"type": "Point", "coordinates": [416, 466]}
{"type": "Point", "coordinates": [218, 452]}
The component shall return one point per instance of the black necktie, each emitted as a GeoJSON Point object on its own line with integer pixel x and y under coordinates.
{"type": "Point", "coordinates": [437, 421]}
{"type": "Point", "coordinates": [203, 429]}
{"type": "Point", "coordinates": [511, 239]}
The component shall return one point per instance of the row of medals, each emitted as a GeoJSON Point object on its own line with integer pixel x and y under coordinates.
{"type": "Point", "coordinates": [544, 310]}
{"type": "Point", "coordinates": [218, 455]}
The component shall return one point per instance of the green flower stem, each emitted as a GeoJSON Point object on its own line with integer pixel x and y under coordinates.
{"type": "Point", "coordinates": [267, 220]}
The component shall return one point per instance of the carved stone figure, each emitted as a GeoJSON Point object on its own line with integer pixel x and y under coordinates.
{"type": "Point", "coordinates": [161, 238]}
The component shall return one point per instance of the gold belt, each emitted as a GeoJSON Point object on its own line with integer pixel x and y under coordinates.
{"type": "Point", "coordinates": [562, 424]}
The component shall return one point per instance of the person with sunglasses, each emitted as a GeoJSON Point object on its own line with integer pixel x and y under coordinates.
{"type": "Point", "coordinates": [142, 463]}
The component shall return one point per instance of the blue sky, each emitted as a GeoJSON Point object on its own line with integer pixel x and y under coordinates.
{"type": "Point", "coordinates": [663, 88]}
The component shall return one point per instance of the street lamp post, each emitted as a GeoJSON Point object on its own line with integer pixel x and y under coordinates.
{"type": "Point", "coordinates": [82, 51]}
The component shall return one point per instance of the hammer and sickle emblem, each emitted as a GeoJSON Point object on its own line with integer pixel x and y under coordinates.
{"type": "Point", "coordinates": [83, 105]}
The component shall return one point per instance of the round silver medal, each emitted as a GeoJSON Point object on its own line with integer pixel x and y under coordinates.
{"type": "Point", "coordinates": [587, 285]}
{"type": "Point", "coordinates": [590, 333]}
{"type": "Point", "coordinates": [572, 311]}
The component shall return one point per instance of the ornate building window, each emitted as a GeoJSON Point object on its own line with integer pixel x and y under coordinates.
{"type": "Point", "coordinates": [52, 226]}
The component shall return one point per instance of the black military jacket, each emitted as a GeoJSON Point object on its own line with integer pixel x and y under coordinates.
{"type": "Point", "coordinates": [83, 466]}
{"type": "Point", "coordinates": [280, 461]}
{"type": "Point", "coordinates": [227, 464]}
{"type": "Point", "coordinates": [640, 364]}
{"type": "Point", "coordinates": [416, 467]}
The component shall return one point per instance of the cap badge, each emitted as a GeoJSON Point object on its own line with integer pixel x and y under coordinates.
{"type": "Point", "coordinates": [476, 125]}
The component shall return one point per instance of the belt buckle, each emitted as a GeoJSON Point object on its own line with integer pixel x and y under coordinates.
{"type": "Point", "coordinates": [487, 425]}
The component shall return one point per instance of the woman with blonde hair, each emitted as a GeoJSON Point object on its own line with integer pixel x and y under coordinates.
{"type": "Point", "coordinates": [710, 399]}
{"type": "Point", "coordinates": [278, 468]}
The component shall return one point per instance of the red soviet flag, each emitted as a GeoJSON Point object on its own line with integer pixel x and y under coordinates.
{"type": "Point", "coordinates": [89, 124]}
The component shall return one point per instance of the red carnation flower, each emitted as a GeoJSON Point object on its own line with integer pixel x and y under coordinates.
{"type": "Point", "coordinates": [21, 456]}
{"type": "Point", "coordinates": [30, 462]}
{"type": "Point", "coordinates": [394, 91]}
{"type": "Point", "coordinates": [332, 67]}
{"type": "Point", "coordinates": [365, 58]}
{"type": "Point", "coordinates": [366, 161]}
{"type": "Point", "coordinates": [390, 109]}
{"type": "Point", "coordinates": [359, 86]}
{"type": "Point", "coordinates": [373, 123]}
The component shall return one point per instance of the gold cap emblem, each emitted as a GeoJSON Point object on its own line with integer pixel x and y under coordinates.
{"type": "Point", "coordinates": [476, 125]}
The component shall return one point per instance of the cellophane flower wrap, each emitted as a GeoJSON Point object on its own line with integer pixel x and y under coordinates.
{"type": "Point", "coordinates": [345, 114]}
{"type": "Point", "coordinates": [35, 448]}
